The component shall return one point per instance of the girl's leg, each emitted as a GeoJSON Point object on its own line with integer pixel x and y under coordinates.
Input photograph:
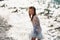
{"type": "Point", "coordinates": [38, 39]}
{"type": "Point", "coordinates": [33, 39]}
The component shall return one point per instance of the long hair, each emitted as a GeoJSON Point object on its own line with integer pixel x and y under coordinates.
{"type": "Point", "coordinates": [34, 12]}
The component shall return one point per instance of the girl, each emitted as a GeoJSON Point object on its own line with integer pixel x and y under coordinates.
{"type": "Point", "coordinates": [36, 25]}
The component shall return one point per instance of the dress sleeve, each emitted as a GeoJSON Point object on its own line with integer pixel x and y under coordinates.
{"type": "Point", "coordinates": [36, 21]}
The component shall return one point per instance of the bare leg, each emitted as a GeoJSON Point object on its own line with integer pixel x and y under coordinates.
{"type": "Point", "coordinates": [33, 39]}
{"type": "Point", "coordinates": [38, 39]}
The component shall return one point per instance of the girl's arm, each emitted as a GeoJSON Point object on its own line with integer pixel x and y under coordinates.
{"type": "Point", "coordinates": [37, 22]}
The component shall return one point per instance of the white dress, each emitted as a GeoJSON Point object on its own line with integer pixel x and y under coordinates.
{"type": "Point", "coordinates": [36, 28]}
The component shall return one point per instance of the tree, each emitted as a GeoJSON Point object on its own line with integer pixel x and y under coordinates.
{"type": "Point", "coordinates": [57, 2]}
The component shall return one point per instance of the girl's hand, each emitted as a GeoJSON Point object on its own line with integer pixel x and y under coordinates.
{"type": "Point", "coordinates": [38, 30]}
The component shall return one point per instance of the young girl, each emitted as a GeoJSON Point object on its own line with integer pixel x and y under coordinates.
{"type": "Point", "coordinates": [36, 25]}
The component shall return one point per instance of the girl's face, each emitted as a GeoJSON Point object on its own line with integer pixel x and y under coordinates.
{"type": "Point", "coordinates": [31, 11]}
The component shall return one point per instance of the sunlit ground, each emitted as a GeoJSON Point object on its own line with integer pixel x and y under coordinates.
{"type": "Point", "coordinates": [15, 23]}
